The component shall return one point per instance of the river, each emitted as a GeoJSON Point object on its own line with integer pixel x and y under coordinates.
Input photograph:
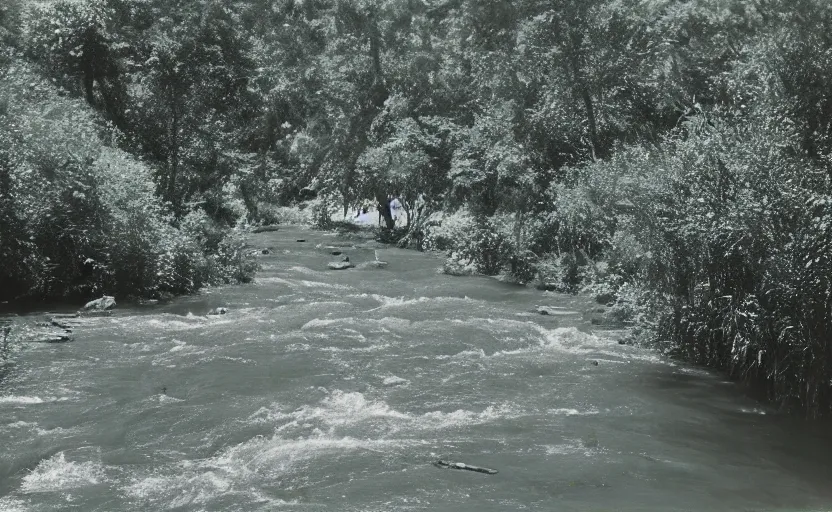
{"type": "Point", "coordinates": [336, 390]}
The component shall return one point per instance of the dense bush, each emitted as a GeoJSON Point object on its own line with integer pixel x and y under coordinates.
{"type": "Point", "coordinates": [484, 247]}
{"type": "Point", "coordinates": [730, 243]}
{"type": "Point", "coordinates": [81, 218]}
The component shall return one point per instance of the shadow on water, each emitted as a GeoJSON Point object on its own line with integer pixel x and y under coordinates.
{"type": "Point", "coordinates": [789, 442]}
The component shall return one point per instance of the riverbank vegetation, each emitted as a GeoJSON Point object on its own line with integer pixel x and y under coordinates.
{"type": "Point", "coordinates": [672, 157]}
{"type": "Point", "coordinates": [82, 210]}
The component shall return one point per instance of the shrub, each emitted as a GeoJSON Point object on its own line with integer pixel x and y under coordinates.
{"type": "Point", "coordinates": [447, 230]}
{"type": "Point", "coordinates": [321, 216]}
{"type": "Point", "coordinates": [486, 248]}
{"type": "Point", "coordinates": [727, 253]}
{"type": "Point", "coordinates": [80, 218]}
{"type": "Point", "coordinates": [561, 273]}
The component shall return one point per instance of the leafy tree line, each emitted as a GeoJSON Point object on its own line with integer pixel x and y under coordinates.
{"type": "Point", "coordinates": [672, 156]}
{"type": "Point", "coordinates": [82, 212]}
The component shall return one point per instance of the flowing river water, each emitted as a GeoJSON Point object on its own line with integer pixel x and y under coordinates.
{"type": "Point", "coordinates": [335, 391]}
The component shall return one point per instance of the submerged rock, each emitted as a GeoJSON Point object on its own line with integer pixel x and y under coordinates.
{"type": "Point", "coordinates": [555, 310]}
{"type": "Point", "coordinates": [339, 265]}
{"type": "Point", "coordinates": [218, 311]}
{"type": "Point", "coordinates": [105, 303]}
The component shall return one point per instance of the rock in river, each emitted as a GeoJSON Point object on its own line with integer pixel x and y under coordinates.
{"type": "Point", "coordinates": [105, 303]}
{"type": "Point", "coordinates": [555, 310]}
{"type": "Point", "coordinates": [343, 264]}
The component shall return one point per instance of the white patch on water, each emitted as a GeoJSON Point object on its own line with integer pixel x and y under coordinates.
{"type": "Point", "coordinates": [319, 284]}
{"type": "Point", "coordinates": [20, 424]}
{"type": "Point", "coordinates": [391, 322]}
{"type": "Point", "coordinates": [753, 410]}
{"type": "Point", "coordinates": [337, 303]}
{"type": "Point", "coordinates": [241, 469]}
{"type": "Point", "coordinates": [572, 412]}
{"type": "Point", "coordinates": [461, 417]}
{"type": "Point", "coordinates": [340, 412]}
{"type": "Point", "coordinates": [305, 270]}
{"type": "Point", "coordinates": [570, 448]}
{"type": "Point", "coordinates": [58, 474]}
{"type": "Point", "coordinates": [260, 281]}
{"type": "Point", "coordinates": [699, 372]}
{"type": "Point", "coordinates": [9, 504]}
{"type": "Point", "coordinates": [341, 408]}
{"type": "Point", "coordinates": [23, 400]}
{"type": "Point", "coordinates": [391, 302]}
{"type": "Point", "coordinates": [570, 339]}
{"type": "Point", "coordinates": [321, 322]}
{"type": "Point", "coordinates": [298, 347]}
{"type": "Point", "coordinates": [178, 345]}
{"type": "Point", "coordinates": [379, 347]}
{"type": "Point", "coordinates": [393, 380]}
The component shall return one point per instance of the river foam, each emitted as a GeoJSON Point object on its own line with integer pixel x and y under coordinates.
{"type": "Point", "coordinates": [342, 413]}
{"type": "Point", "coordinates": [22, 400]}
{"type": "Point", "coordinates": [58, 474]}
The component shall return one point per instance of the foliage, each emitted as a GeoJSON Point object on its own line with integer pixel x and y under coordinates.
{"type": "Point", "coordinates": [484, 247]}
{"type": "Point", "coordinates": [671, 158]}
{"type": "Point", "coordinates": [81, 218]}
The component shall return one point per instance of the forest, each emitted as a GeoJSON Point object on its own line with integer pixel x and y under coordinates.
{"type": "Point", "coordinates": [671, 157]}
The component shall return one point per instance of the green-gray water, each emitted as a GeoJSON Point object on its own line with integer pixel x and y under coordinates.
{"type": "Point", "coordinates": [324, 390]}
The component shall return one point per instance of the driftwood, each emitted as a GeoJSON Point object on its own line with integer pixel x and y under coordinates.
{"type": "Point", "coordinates": [461, 465]}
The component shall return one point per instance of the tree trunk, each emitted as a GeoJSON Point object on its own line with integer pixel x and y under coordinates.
{"type": "Point", "coordinates": [518, 230]}
{"type": "Point", "coordinates": [590, 114]}
{"type": "Point", "coordinates": [384, 211]}
{"type": "Point", "coordinates": [575, 51]}
{"type": "Point", "coordinates": [173, 157]}
{"type": "Point", "coordinates": [88, 84]}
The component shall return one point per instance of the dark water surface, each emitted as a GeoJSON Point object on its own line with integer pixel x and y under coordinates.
{"type": "Point", "coordinates": [324, 390]}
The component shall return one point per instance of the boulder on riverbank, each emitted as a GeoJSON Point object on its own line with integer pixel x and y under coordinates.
{"type": "Point", "coordinates": [105, 303]}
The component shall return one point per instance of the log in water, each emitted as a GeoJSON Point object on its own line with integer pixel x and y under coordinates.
{"type": "Point", "coordinates": [467, 467]}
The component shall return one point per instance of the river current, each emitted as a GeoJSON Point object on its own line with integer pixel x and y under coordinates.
{"type": "Point", "coordinates": [337, 390]}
